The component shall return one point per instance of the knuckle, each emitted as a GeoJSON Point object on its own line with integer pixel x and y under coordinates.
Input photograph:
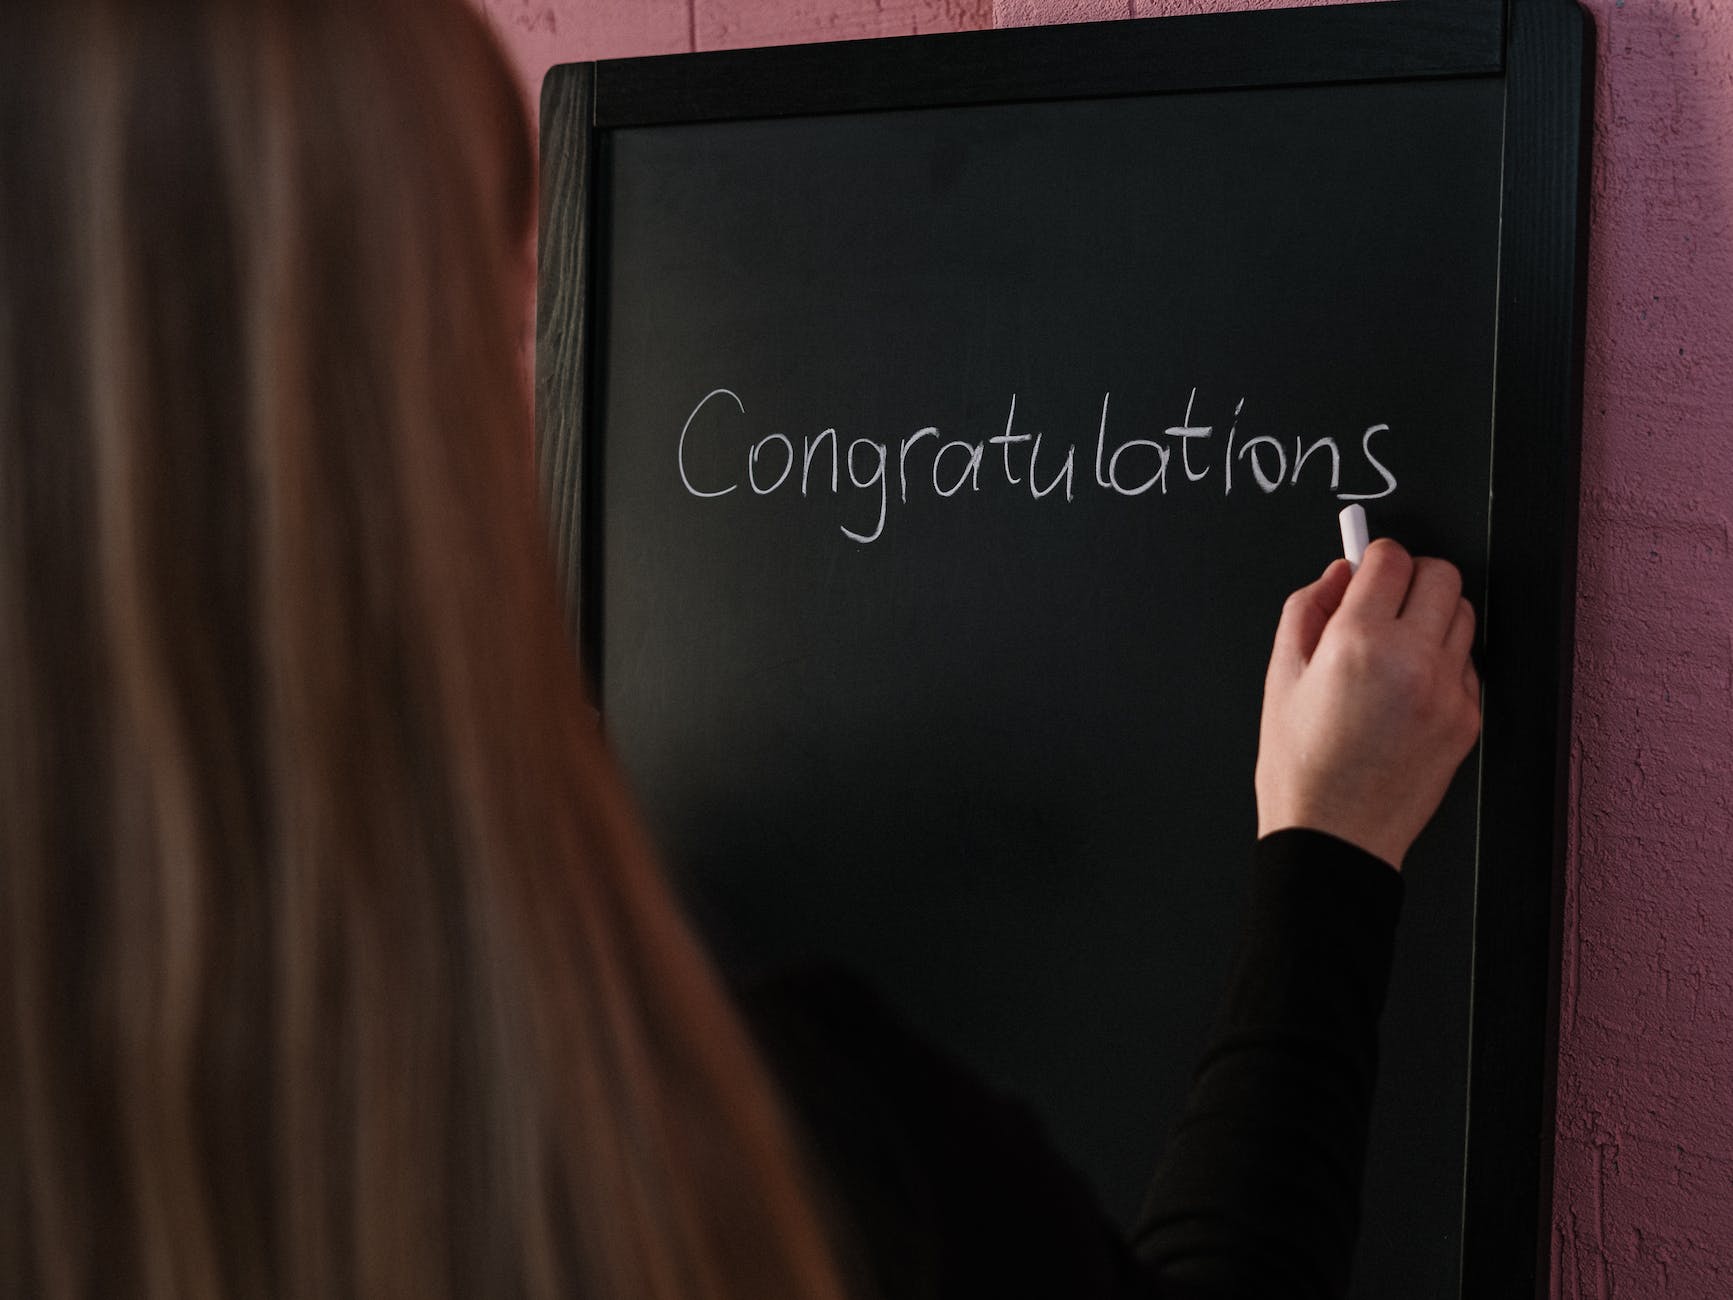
{"type": "Point", "coordinates": [1443, 572]}
{"type": "Point", "coordinates": [1388, 552]}
{"type": "Point", "coordinates": [1404, 668]}
{"type": "Point", "coordinates": [1425, 704]}
{"type": "Point", "coordinates": [1356, 649]}
{"type": "Point", "coordinates": [1409, 675]}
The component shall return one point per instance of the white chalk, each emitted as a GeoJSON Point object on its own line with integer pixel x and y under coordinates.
{"type": "Point", "coordinates": [1354, 536]}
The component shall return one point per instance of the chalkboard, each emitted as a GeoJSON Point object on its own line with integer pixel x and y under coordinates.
{"type": "Point", "coordinates": [931, 430]}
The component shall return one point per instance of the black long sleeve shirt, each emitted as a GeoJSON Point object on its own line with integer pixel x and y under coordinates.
{"type": "Point", "coordinates": [941, 1186]}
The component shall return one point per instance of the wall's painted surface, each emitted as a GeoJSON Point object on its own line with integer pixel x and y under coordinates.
{"type": "Point", "coordinates": [543, 32]}
{"type": "Point", "coordinates": [1645, 1128]}
{"type": "Point", "coordinates": [1020, 13]}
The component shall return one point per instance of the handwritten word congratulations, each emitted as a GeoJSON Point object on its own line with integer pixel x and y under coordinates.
{"type": "Point", "coordinates": [772, 461]}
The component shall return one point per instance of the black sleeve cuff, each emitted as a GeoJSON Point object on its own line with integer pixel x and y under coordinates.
{"type": "Point", "coordinates": [1319, 901]}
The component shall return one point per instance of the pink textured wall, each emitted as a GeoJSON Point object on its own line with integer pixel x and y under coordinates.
{"type": "Point", "coordinates": [1644, 1198]}
{"type": "Point", "coordinates": [544, 32]}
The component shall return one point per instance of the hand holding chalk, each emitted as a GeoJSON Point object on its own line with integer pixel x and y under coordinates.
{"type": "Point", "coordinates": [1371, 702]}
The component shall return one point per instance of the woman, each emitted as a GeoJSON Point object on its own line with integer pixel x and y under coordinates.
{"type": "Point", "coordinates": [336, 961]}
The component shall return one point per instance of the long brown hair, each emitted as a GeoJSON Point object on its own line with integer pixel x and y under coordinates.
{"type": "Point", "coordinates": [335, 960]}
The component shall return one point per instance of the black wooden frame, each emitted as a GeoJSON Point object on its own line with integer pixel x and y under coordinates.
{"type": "Point", "coordinates": [1543, 49]}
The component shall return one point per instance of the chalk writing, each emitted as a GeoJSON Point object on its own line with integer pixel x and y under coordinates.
{"type": "Point", "coordinates": [1174, 458]}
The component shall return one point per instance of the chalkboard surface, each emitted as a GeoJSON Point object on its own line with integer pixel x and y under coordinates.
{"type": "Point", "coordinates": [945, 472]}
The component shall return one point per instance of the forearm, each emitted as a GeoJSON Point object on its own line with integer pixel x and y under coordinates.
{"type": "Point", "coordinates": [1259, 1191]}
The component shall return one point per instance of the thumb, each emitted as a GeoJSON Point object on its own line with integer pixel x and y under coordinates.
{"type": "Point", "coordinates": [1305, 616]}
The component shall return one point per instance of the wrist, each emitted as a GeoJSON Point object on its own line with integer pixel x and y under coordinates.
{"type": "Point", "coordinates": [1382, 843]}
